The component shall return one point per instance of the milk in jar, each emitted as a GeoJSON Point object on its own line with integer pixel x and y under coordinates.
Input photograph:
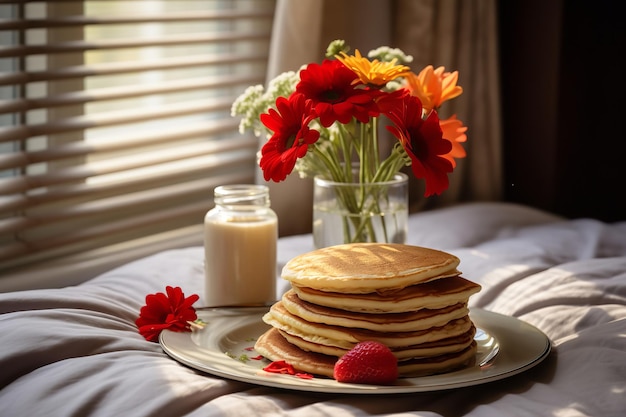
{"type": "Point", "coordinates": [240, 236]}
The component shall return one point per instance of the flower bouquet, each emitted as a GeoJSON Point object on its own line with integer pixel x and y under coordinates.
{"type": "Point", "coordinates": [325, 121]}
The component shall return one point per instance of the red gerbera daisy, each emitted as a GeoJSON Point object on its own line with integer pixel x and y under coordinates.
{"type": "Point", "coordinates": [334, 93]}
{"type": "Point", "coordinates": [423, 141]}
{"type": "Point", "coordinates": [172, 311]}
{"type": "Point", "coordinates": [292, 136]}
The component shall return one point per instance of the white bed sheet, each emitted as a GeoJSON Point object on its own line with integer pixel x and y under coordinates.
{"type": "Point", "coordinates": [76, 351]}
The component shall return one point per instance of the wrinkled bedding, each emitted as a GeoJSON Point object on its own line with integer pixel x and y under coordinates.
{"type": "Point", "coordinates": [76, 351]}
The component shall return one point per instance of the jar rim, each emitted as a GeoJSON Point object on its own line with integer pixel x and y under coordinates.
{"type": "Point", "coordinates": [241, 190]}
{"type": "Point", "coordinates": [242, 195]}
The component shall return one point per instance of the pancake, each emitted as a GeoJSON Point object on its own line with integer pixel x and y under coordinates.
{"type": "Point", "coordinates": [432, 295]}
{"type": "Point", "coordinates": [438, 364]}
{"type": "Point", "coordinates": [346, 338]}
{"type": "Point", "coordinates": [411, 299]}
{"type": "Point", "coordinates": [273, 346]}
{"type": "Point", "coordinates": [368, 267]}
{"type": "Point", "coordinates": [441, 347]}
{"type": "Point", "coordinates": [395, 322]}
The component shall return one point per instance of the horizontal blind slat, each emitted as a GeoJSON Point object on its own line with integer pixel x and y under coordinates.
{"type": "Point", "coordinates": [127, 142]}
{"type": "Point", "coordinates": [114, 118]}
{"type": "Point", "coordinates": [79, 173]}
{"type": "Point", "coordinates": [100, 205]}
{"type": "Point", "coordinates": [85, 46]}
{"type": "Point", "coordinates": [91, 236]}
{"type": "Point", "coordinates": [75, 268]}
{"type": "Point", "coordinates": [194, 168]}
{"type": "Point", "coordinates": [72, 21]}
{"type": "Point", "coordinates": [115, 68]}
{"type": "Point", "coordinates": [117, 93]}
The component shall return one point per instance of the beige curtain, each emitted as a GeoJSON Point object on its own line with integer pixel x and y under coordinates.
{"type": "Point", "coordinates": [459, 34]}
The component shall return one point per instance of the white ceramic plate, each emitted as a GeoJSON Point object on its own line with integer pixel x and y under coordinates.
{"type": "Point", "coordinates": [506, 347]}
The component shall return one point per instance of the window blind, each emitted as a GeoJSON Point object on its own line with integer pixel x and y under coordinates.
{"type": "Point", "coordinates": [115, 121]}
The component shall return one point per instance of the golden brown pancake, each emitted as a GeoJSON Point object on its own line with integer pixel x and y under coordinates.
{"type": "Point", "coordinates": [345, 337]}
{"type": "Point", "coordinates": [368, 267]}
{"type": "Point", "coordinates": [391, 322]}
{"type": "Point", "coordinates": [440, 347]}
{"type": "Point", "coordinates": [433, 295]}
{"type": "Point", "coordinates": [275, 347]}
{"type": "Point", "coordinates": [438, 364]}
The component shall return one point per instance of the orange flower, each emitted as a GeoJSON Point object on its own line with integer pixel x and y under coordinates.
{"type": "Point", "coordinates": [434, 86]}
{"type": "Point", "coordinates": [454, 131]}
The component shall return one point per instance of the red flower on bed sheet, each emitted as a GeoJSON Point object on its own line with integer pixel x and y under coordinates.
{"type": "Point", "coordinates": [171, 311]}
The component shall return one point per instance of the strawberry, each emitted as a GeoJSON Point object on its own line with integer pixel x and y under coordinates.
{"type": "Point", "coordinates": [368, 362]}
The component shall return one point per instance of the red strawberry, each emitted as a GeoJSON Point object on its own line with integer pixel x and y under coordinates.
{"type": "Point", "coordinates": [367, 363]}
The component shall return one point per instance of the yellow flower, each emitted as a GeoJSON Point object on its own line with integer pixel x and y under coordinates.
{"type": "Point", "coordinates": [434, 86]}
{"type": "Point", "coordinates": [373, 72]}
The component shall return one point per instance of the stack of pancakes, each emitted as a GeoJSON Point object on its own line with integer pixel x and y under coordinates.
{"type": "Point", "coordinates": [410, 298]}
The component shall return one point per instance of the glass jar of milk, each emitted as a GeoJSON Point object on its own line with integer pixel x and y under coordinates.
{"type": "Point", "coordinates": [240, 236]}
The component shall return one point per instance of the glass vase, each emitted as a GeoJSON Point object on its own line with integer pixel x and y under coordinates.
{"type": "Point", "coordinates": [360, 212]}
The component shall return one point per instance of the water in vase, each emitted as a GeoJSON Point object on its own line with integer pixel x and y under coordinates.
{"type": "Point", "coordinates": [334, 226]}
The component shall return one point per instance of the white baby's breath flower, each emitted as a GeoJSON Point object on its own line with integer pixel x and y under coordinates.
{"type": "Point", "coordinates": [336, 47]}
{"type": "Point", "coordinates": [256, 100]}
{"type": "Point", "coordinates": [246, 106]}
{"type": "Point", "coordinates": [387, 54]}
{"type": "Point", "coordinates": [282, 86]}
{"type": "Point", "coordinates": [393, 85]}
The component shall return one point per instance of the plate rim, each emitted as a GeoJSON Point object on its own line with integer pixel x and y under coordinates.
{"type": "Point", "coordinates": [178, 345]}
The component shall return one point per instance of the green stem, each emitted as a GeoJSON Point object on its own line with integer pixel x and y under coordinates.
{"type": "Point", "coordinates": [375, 150]}
{"type": "Point", "coordinates": [363, 199]}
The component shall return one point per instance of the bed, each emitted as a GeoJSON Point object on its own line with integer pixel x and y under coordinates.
{"type": "Point", "coordinates": [76, 351]}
